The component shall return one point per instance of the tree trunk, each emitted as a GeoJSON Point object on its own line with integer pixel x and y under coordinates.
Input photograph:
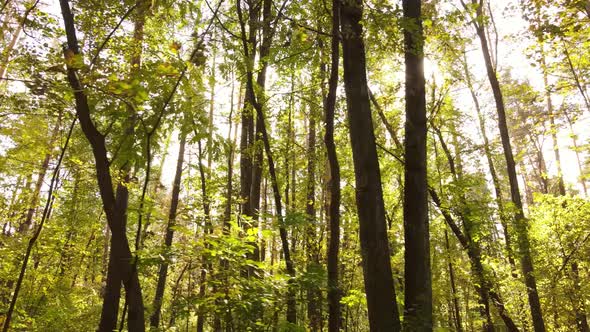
{"type": "Point", "coordinates": [28, 222]}
{"type": "Point", "coordinates": [418, 284]}
{"type": "Point", "coordinates": [205, 264]}
{"type": "Point", "coordinates": [163, 271]}
{"type": "Point", "coordinates": [313, 293]}
{"type": "Point", "coordinates": [14, 40]}
{"type": "Point", "coordinates": [379, 287]}
{"type": "Point", "coordinates": [33, 239]}
{"type": "Point", "coordinates": [504, 219]}
{"type": "Point", "coordinates": [524, 249]}
{"type": "Point", "coordinates": [482, 285]}
{"type": "Point", "coordinates": [251, 96]}
{"type": "Point", "coordinates": [579, 306]}
{"type": "Point", "coordinates": [120, 268]}
{"type": "Point", "coordinates": [455, 300]}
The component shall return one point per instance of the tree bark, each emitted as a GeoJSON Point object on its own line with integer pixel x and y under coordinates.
{"type": "Point", "coordinates": [455, 300]}
{"type": "Point", "coordinates": [28, 222]}
{"type": "Point", "coordinates": [120, 268]}
{"type": "Point", "coordinates": [379, 286]}
{"type": "Point", "coordinates": [313, 293]}
{"type": "Point", "coordinates": [334, 294]}
{"type": "Point", "coordinates": [504, 219]}
{"type": "Point", "coordinates": [418, 284]}
{"type": "Point", "coordinates": [524, 249]}
{"type": "Point", "coordinates": [33, 239]}
{"type": "Point", "coordinates": [251, 96]}
{"type": "Point", "coordinates": [163, 271]}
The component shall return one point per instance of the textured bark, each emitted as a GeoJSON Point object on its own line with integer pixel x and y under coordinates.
{"type": "Point", "coordinates": [379, 287]}
{"type": "Point", "coordinates": [418, 283]}
{"type": "Point", "coordinates": [524, 248]}
{"type": "Point", "coordinates": [247, 134]}
{"type": "Point", "coordinates": [163, 270]}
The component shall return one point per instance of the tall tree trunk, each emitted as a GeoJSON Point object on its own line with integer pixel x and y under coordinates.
{"type": "Point", "coordinates": [313, 293]}
{"type": "Point", "coordinates": [251, 96]}
{"type": "Point", "coordinates": [418, 284]}
{"type": "Point", "coordinates": [205, 264]}
{"type": "Point", "coordinates": [468, 232]}
{"type": "Point", "coordinates": [524, 248]}
{"type": "Point", "coordinates": [247, 137]}
{"type": "Point", "coordinates": [455, 297]}
{"type": "Point", "coordinates": [379, 287]}
{"type": "Point", "coordinates": [504, 218]}
{"type": "Point", "coordinates": [120, 268]}
{"type": "Point", "coordinates": [163, 271]}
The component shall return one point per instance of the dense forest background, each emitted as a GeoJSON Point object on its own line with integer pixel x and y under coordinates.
{"type": "Point", "coordinates": [278, 165]}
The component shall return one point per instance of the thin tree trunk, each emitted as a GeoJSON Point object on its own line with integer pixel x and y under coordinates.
{"type": "Point", "coordinates": [483, 286]}
{"type": "Point", "coordinates": [14, 40]}
{"type": "Point", "coordinates": [504, 219]}
{"type": "Point", "coordinates": [251, 95]}
{"type": "Point", "coordinates": [418, 283]}
{"type": "Point", "coordinates": [577, 152]}
{"type": "Point", "coordinates": [163, 271]}
{"type": "Point", "coordinates": [524, 249]}
{"type": "Point", "coordinates": [33, 239]}
{"type": "Point", "coordinates": [473, 246]}
{"type": "Point", "coordinates": [456, 308]}
{"type": "Point", "coordinates": [313, 293]}
{"type": "Point", "coordinates": [28, 222]}
{"type": "Point", "coordinates": [205, 264]}
{"type": "Point", "coordinates": [379, 287]}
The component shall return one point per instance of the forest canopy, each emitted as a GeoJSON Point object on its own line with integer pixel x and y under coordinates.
{"type": "Point", "coordinates": [279, 165]}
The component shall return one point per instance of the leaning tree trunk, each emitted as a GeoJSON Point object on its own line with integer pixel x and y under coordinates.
{"type": "Point", "coordinates": [120, 256]}
{"type": "Point", "coordinates": [418, 284]}
{"type": "Point", "coordinates": [28, 222]}
{"type": "Point", "coordinates": [524, 247]}
{"type": "Point", "coordinates": [504, 219]}
{"type": "Point", "coordinates": [379, 287]}
{"type": "Point", "coordinates": [251, 96]}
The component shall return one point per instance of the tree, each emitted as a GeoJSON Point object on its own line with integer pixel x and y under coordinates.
{"type": "Point", "coordinates": [418, 287]}
{"type": "Point", "coordinates": [381, 298]}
